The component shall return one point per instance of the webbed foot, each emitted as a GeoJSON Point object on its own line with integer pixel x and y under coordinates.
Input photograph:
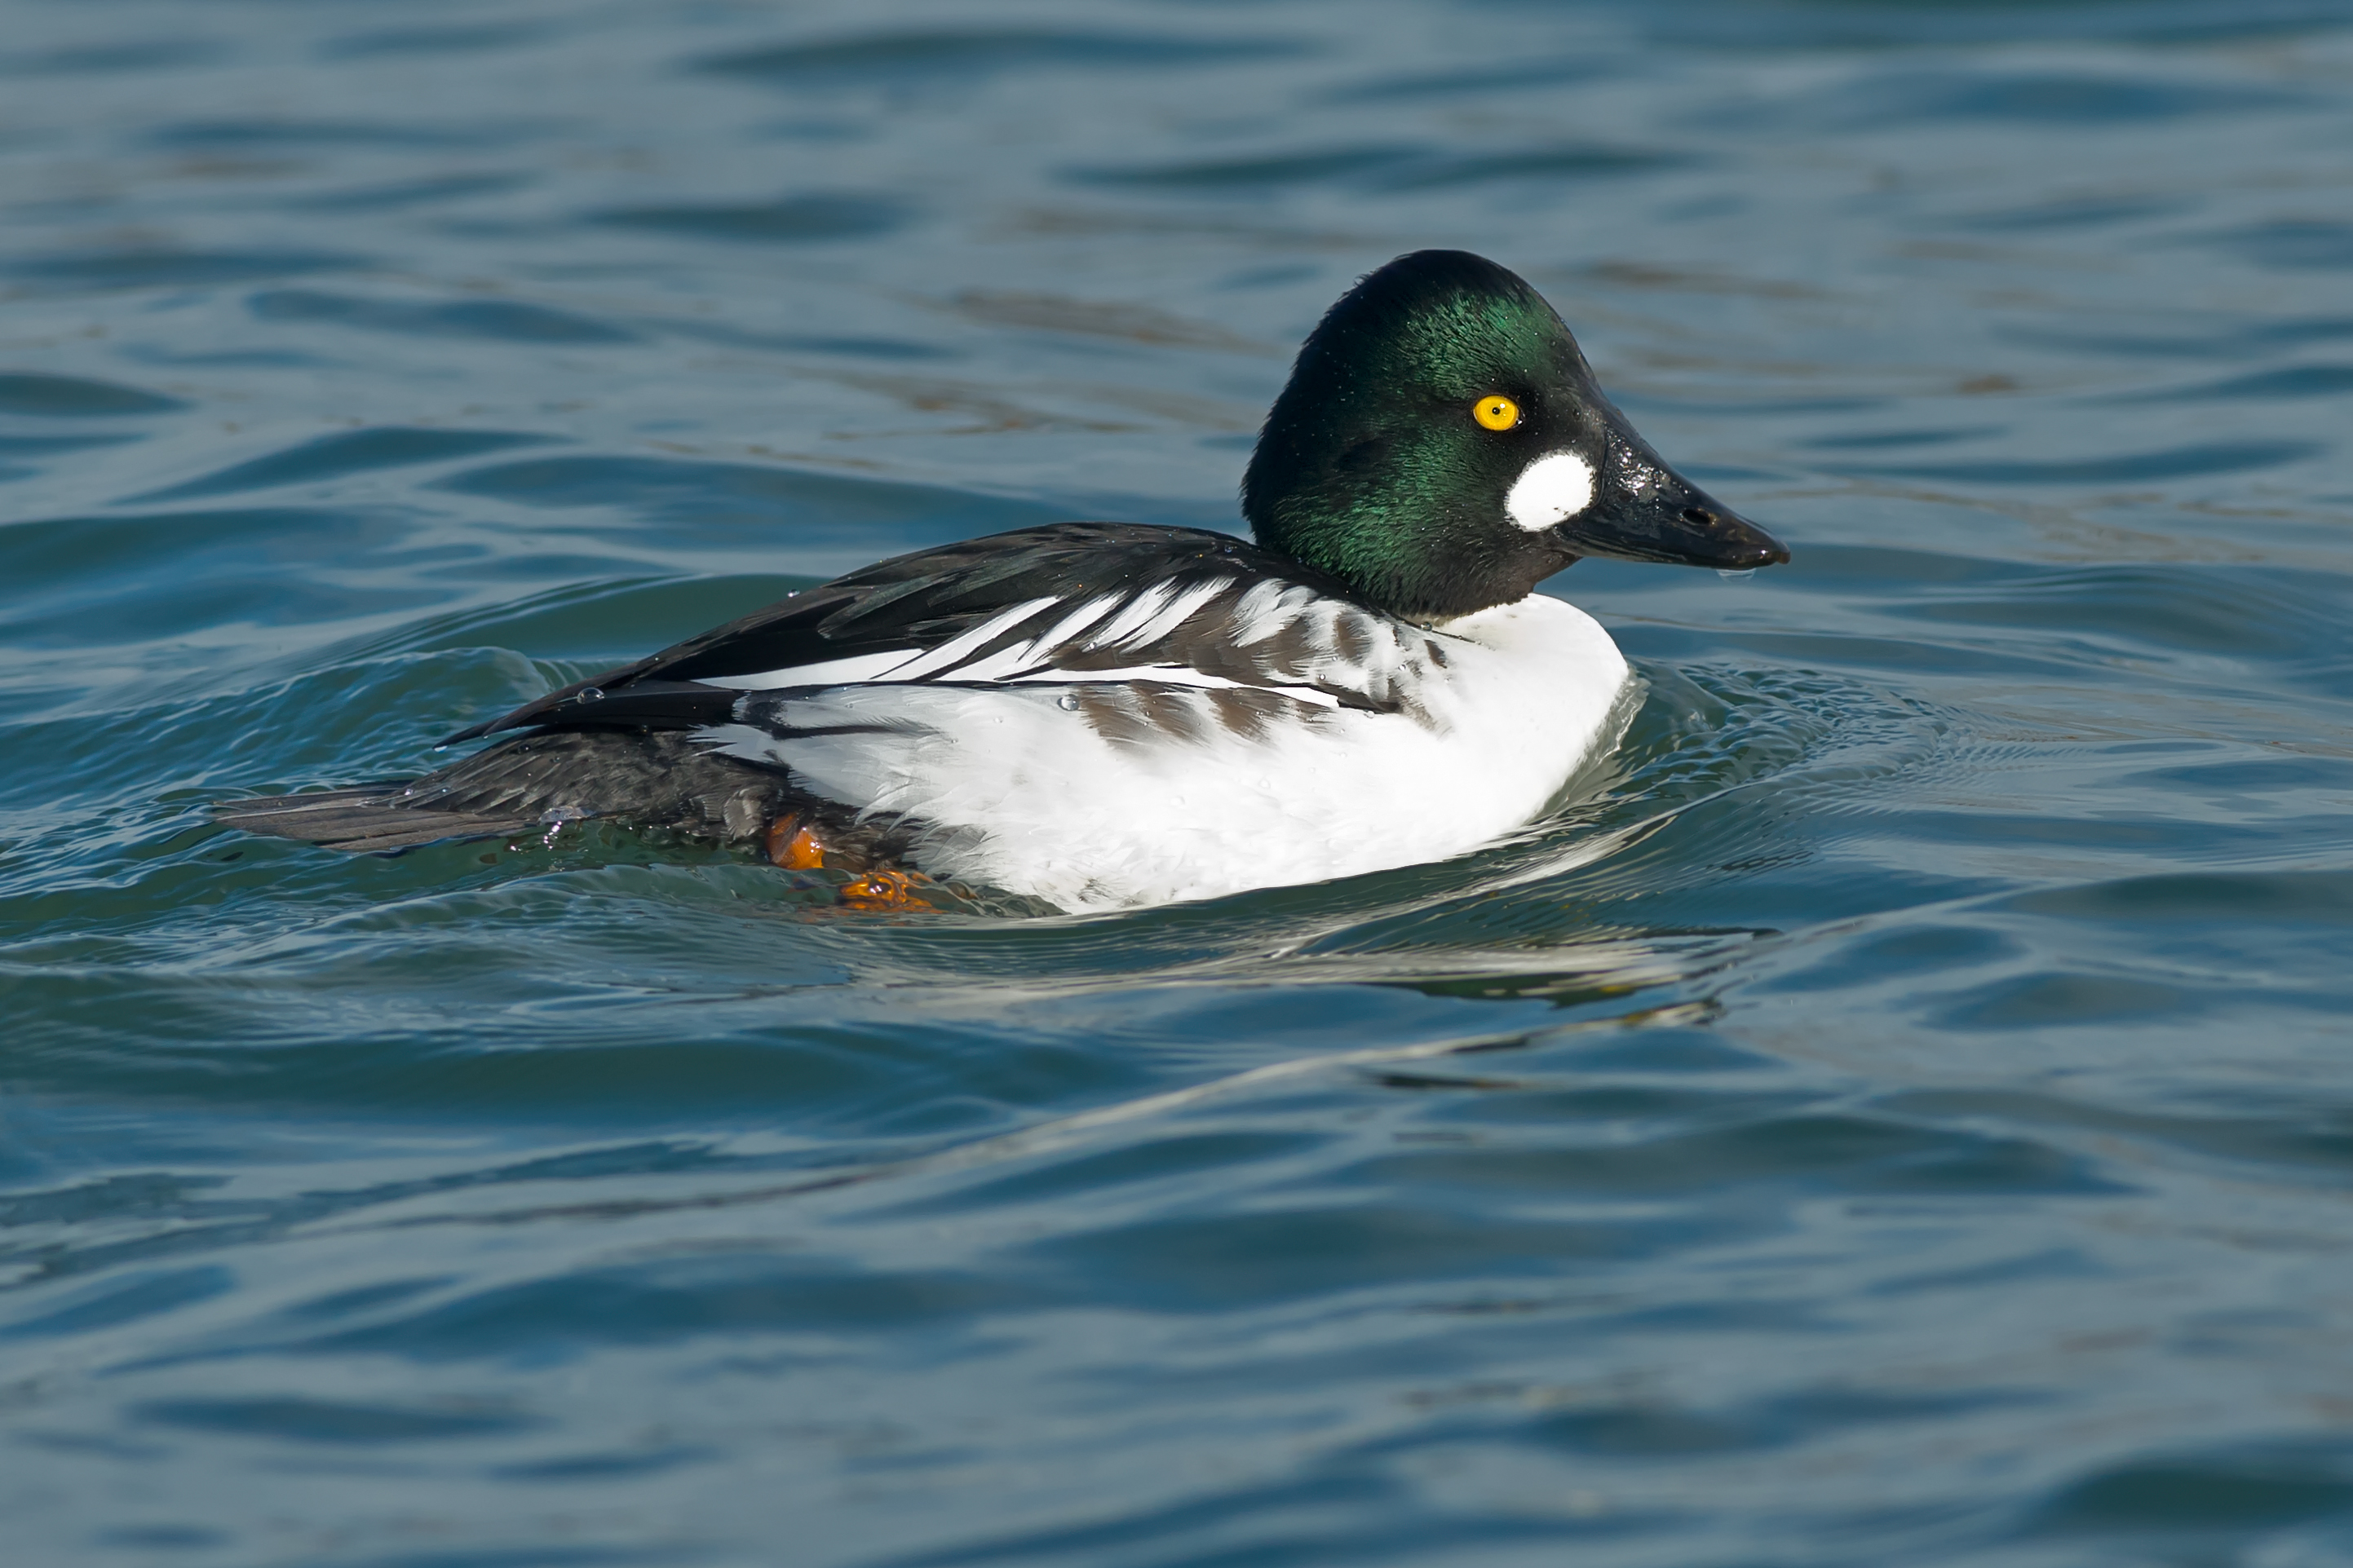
{"type": "Point", "coordinates": [792, 845]}
{"type": "Point", "coordinates": [885, 891]}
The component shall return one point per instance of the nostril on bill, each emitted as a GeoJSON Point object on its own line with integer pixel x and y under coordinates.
{"type": "Point", "coordinates": [1699, 517]}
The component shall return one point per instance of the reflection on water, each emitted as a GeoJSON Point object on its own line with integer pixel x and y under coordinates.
{"type": "Point", "coordinates": [1890, 1111]}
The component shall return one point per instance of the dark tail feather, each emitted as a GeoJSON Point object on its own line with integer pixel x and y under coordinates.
{"type": "Point", "coordinates": [360, 820]}
{"type": "Point", "coordinates": [657, 780]}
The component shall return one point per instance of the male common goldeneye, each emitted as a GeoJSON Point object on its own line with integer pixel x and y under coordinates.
{"type": "Point", "coordinates": [1103, 714]}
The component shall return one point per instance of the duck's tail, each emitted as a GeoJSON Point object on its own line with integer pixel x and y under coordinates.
{"type": "Point", "coordinates": [659, 779]}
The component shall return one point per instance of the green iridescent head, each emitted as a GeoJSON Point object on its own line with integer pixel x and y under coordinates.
{"type": "Point", "coordinates": [1441, 448]}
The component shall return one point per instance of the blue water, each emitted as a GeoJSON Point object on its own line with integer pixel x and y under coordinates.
{"type": "Point", "coordinates": [1900, 1112]}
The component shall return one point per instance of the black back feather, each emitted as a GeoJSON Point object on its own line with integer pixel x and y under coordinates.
{"type": "Point", "coordinates": [909, 602]}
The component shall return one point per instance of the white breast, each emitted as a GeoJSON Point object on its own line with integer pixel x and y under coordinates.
{"type": "Point", "coordinates": [1061, 793]}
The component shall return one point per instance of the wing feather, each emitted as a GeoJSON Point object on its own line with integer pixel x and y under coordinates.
{"type": "Point", "coordinates": [1072, 602]}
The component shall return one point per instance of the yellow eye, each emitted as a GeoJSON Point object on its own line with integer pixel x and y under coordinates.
{"type": "Point", "coordinates": [1496, 412]}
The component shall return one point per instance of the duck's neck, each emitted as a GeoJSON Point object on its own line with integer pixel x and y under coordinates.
{"type": "Point", "coordinates": [1409, 567]}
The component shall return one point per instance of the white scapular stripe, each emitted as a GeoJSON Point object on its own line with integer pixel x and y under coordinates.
{"type": "Point", "coordinates": [957, 649]}
{"type": "Point", "coordinates": [825, 672]}
{"type": "Point", "coordinates": [1141, 619]}
{"type": "Point", "coordinates": [1170, 615]}
{"type": "Point", "coordinates": [1266, 608]}
{"type": "Point", "coordinates": [1172, 675]}
{"type": "Point", "coordinates": [1068, 629]}
{"type": "Point", "coordinates": [1131, 616]}
{"type": "Point", "coordinates": [1550, 491]}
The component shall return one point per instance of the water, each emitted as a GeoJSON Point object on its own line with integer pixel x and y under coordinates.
{"type": "Point", "coordinates": [1900, 1112]}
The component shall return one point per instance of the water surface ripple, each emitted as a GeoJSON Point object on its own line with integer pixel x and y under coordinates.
{"type": "Point", "coordinates": [1897, 1111]}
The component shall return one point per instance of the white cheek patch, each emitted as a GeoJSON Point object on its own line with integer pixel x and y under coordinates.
{"type": "Point", "coordinates": [1551, 490]}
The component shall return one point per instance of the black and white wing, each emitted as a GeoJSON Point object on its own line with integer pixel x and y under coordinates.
{"type": "Point", "coordinates": [1074, 603]}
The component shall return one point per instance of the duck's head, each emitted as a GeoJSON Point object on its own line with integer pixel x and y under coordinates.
{"type": "Point", "coordinates": [1441, 448]}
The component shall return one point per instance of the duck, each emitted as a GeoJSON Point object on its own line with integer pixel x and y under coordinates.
{"type": "Point", "coordinates": [1109, 715]}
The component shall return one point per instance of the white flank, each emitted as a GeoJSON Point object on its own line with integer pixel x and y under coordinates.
{"type": "Point", "coordinates": [1550, 491]}
{"type": "Point", "coordinates": [1024, 793]}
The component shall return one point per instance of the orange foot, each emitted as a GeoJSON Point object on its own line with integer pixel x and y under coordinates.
{"type": "Point", "coordinates": [884, 891]}
{"type": "Point", "coordinates": [794, 846]}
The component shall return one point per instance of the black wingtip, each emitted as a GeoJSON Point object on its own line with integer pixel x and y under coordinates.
{"type": "Point", "coordinates": [471, 732]}
{"type": "Point", "coordinates": [642, 704]}
{"type": "Point", "coordinates": [538, 711]}
{"type": "Point", "coordinates": [558, 709]}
